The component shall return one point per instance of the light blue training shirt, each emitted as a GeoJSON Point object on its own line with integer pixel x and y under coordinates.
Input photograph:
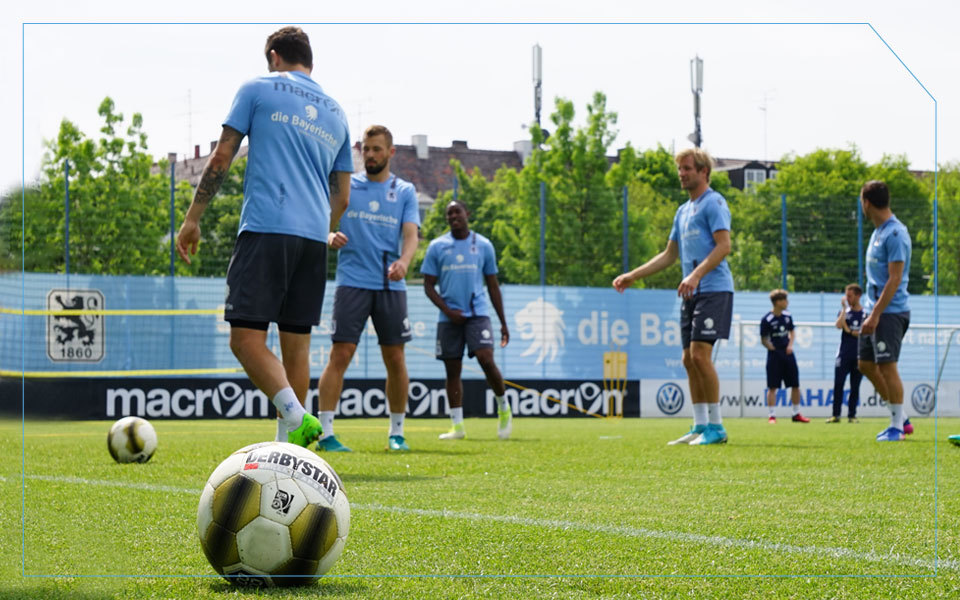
{"type": "Point", "coordinates": [888, 243]}
{"type": "Point", "coordinates": [298, 137]}
{"type": "Point", "coordinates": [373, 225]}
{"type": "Point", "coordinates": [693, 228]}
{"type": "Point", "coordinates": [460, 267]}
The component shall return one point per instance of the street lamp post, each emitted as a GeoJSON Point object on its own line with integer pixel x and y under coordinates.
{"type": "Point", "coordinates": [696, 86]}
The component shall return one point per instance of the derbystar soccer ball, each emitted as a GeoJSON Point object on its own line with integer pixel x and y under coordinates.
{"type": "Point", "coordinates": [273, 514]}
{"type": "Point", "coordinates": [132, 439]}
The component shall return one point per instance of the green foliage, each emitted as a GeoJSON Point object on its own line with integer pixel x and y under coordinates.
{"type": "Point", "coordinates": [948, 228]}
{"type": "Point", "coordinates": [583, 204]}
{"type": "Point", "coordinates": [118, 211]}
{"type": "Point", "coordinates": [822, 190]}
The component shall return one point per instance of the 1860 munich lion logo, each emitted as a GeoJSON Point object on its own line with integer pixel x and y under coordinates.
{"type": "Point", "coordinates": [542, 323]}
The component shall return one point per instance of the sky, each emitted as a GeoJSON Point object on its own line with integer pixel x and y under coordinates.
{"type": "Point", "coordinates": [816, 80]}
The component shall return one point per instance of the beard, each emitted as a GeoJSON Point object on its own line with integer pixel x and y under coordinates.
{"type": "Point", "coordinates": [374, 168]}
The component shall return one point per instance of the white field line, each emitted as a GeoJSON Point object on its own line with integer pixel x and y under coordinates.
{"type": "Point", "coordinates": [632, 532]}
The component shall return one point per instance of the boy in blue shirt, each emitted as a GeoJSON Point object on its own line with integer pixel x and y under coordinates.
{"type": "Point", "coordinates": [461, 261]}
{"type": "Point", "coordinates": [700, 238]}
{"type": "Point", "coordinates": [777, 335]}
{"type": "Point", "coordinates": [295, 188]}
{"type": "Point", "coordinates": [377, 240]}
{"type": "Point", "coordinates": [886, 303]}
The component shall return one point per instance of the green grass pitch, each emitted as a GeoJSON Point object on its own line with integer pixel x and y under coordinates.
{"type": "Point", "coordinates": [568, 508]}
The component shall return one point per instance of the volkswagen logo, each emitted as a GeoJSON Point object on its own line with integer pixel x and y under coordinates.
{"type": "Point", "coordinates": [923, 399]}
{"type": "Point", "coordinates": [670, 398]}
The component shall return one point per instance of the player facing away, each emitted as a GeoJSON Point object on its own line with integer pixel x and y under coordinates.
{"type": "Point", "coordinates": [777, 335]}
{"type": "Point", "coordinates": [848, 321]}
{"type": "Point", "coordinates": [377, 239]}
{"type": "Point", "coordinates": [296, 187]}
{"type": "Point", "coordinates": [886, 304]}
{"type": "Point", "coordinates": [701, 239]}
{"type": "Point", "coordinates": [461, 261]}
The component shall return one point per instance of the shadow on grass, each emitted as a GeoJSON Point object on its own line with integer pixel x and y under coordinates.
{"type": "Point", "coordinates": [325, 587]}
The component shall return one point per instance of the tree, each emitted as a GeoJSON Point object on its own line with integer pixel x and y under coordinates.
{"type": "Point", "coordinates": [822, 199]}
{"type": "Point", "coordinates": [948, 228]}
{"type": "Point", "coordinates": [119, 211]}
{"type": "Point", "coordinates": [583, 205]}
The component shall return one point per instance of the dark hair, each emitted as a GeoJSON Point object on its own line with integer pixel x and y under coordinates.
{"type": "Point", "coordinates": [379, 130]}
{"type": "Point", "coordinates": [856, 289]}
{"type": "Point", "coordinates": [293, 46]}
{"type": "Point", "coordinates": [778, 294]}
{"type": "Point", "coordinates": [876, 193]}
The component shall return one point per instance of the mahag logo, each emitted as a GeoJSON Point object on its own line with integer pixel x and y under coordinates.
{"type": "Point", "coordinates": [670, 398]}
{"type": "Point", "coordinates": [923, 399]}
{"type": "Point", "coordinates": [543, 323]}
{"type": "Point", "coordinates": [311, 112]}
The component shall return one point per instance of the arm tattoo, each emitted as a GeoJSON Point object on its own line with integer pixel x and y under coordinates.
{"type": "Point", "coordinates": [334, 183]}
{"type": "Point", "coordinates": [209, 183]}
{"type": "Point", "coordinates": [213, 174]}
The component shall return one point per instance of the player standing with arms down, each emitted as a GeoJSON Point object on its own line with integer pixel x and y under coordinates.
{"type": "Point", "coordinates": [849, 321]}
{"type": "Point", "coordinates": [295, 188]}
{"type": "Point", "coordinates": [461, 261]}
{"type": "Point", "coordinates": [700, 238]}
{"type": "Point", "coordinates": [886, 304]}
{"type": "Point", "coordinates": [777, 334]}
{"type": "Point", "coordinates": [377, 240]}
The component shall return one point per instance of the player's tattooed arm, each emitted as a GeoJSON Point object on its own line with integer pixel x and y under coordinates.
{"type": "Point", "coordinates": [339, 197]}
{"type": "Point", "coordinates": [188, 238]}
{"type": "Point", "coordinates": [218, 165]}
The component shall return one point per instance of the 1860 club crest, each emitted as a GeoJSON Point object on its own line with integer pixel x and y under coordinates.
{"type": "Point", "coordinates": [75, 338]}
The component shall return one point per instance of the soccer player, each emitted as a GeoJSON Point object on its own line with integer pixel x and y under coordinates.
{"type": "Point", "coordinates": [886, 304]}
{"type": "Point", "coordinates": [849, 321]}
{"type": "Point", "coordinates": [461, 261]}
{"type": "Point", "coordinates": [296, 187]}
{"type": "Point", "coordinates": [701, 239]}
{"type": "Point", "coordinates": [377, 239]}
{"type": "Point", "coordinates": [777, 335]}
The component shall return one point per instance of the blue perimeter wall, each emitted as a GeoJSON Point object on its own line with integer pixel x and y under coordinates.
{"type": "Point", "coordinates": [557, 333]}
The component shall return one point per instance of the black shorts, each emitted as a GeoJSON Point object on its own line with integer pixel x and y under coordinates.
{"type": "Point", "coordinates": [706, 317]}
{"type": "Point", "coordinates": [476, 333]}
{"type": "Point", "coordinates": [883, 345]}
{"type": "Point", "coordinates": [387, 308]}
{"type": "Point", "coordinates": [782, 367]}
{"type": "Point", "coordinates": [276, 278]}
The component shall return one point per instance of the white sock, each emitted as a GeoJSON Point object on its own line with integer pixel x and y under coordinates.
{"type": "Point", "coordinates": [396, 423]}
{"type": "Point", "coordinates": [326, 421]}
{"type": "Point", "coordinates": [713, 413]}
{"type": "Point", "coordinates": [796, 409]}
{"type": "Point", "coordinates": [772, 411]}
{"type": "Point", "coordinates": [502, 402]}
{"type": "Point", "coordinates": [896, 416]}
{"type": "Point", "coordinates": [281, 431]}
{"type": "Point", "coordinates": [288, 408]}
{"type": "Point", "coordinates": [456, 415]}
{"type": "Point", "coordinates": [699, 413]}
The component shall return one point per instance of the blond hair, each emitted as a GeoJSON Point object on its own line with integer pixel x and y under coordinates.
{"type": "Point", "coordinates": [701, 159]}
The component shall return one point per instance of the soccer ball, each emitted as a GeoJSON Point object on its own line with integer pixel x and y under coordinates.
{"type": "Point", "coordinates": [132, 439]}
{"type": "Point", "coordinates": [273, 514]}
